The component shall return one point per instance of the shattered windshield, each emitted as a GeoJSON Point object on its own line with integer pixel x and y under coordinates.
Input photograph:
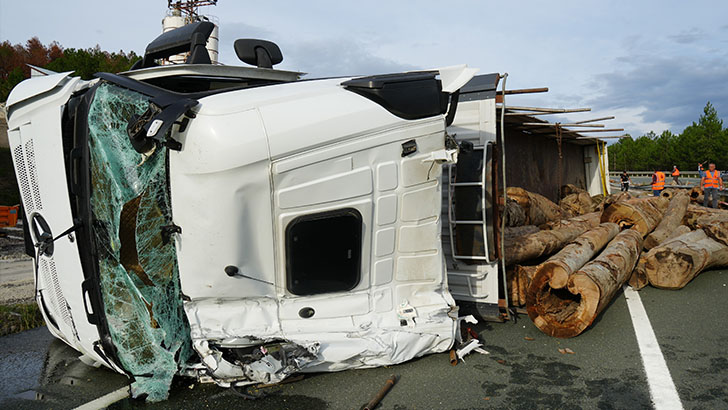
{"type": "Point", "coordinates": [137, 261]}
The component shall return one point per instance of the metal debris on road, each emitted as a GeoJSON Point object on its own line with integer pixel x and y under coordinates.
{"type": "Point", "coordinates": [382, 392]}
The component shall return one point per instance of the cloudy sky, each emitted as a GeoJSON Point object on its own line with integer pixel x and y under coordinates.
{"type": "Point", "coordinates": [653, 64]}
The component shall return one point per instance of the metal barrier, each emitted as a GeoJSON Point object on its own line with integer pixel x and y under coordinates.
{"type": "Point", "coordinates": [688, 174]}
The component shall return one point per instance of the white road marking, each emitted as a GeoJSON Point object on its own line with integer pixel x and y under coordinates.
{"type": "Point", "coordinates": [106, 400]}
{"type": "Point", "coordinates": [662, 389]}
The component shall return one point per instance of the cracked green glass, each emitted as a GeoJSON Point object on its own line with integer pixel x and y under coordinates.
{"type": "Point", "coordinates": [138, 269]}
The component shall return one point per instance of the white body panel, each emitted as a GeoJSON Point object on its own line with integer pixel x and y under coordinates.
{"type": "Point", "coordinates": [254, 160]}
{"type": "Point", "coordinates": [474, 122]}
{"type": "Point", "coordinates": [593, 174]}
{"type": "Point", "coordinates": [36, 145]}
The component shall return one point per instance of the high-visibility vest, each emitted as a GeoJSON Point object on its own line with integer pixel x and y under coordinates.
{"type": "Point", "coordinates": [676, 172]}
{"type": "Point", "coordinates": [710, 180]}
{"type": "Point", "coordinates": [659, 185]}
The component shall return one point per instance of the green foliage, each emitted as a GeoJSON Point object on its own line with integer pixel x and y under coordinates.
{"type": "Point", "coordinates": [14, 60]}
{"type": "Point", "coordinates": [704, 141]}
{"type": "Point", "coordinates": [17, 318]}
{"type": "Point", "coordinates": [86, 63]}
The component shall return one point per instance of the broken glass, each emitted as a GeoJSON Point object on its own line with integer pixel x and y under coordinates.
{"type": "Point", "coordinates": [138, 270]}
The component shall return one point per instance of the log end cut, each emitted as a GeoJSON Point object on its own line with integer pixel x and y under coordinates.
{"type": "Point", "coordinates": [559, 274]}
{"type": "Point", "coordinates": [562, 312]}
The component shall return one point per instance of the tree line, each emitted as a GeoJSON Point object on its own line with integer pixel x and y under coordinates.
{"type": "Point", "coordinates": [703, 141]}
{"type": "Point", "coordinates": [14, 60]}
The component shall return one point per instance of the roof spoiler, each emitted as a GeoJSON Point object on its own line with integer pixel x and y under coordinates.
{"type": "Point", "coordinates": [190, 38]}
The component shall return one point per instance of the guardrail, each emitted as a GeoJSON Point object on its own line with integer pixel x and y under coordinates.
{"type": "Point", "coordinates": [688, 174]}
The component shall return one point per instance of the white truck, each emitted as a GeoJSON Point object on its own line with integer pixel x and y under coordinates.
{"type": "Point", "coordinates": [240, 224]}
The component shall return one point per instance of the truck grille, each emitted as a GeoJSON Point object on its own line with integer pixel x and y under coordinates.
{"type": "Point", "coordinates": [58, 303]}
{"type": "Point", "coordinates": [28, 177]}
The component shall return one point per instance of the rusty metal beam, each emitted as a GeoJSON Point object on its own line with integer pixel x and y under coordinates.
{"type": "Point", "coordinates": [524, 91]}
{"type": "Point", "coordinates": [549, 124]}
{"type": "Point", "coordinates": [595, 119]}
{"type": "Point", "coordinates": [548, 110]}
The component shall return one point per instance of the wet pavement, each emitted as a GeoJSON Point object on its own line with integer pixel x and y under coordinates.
{"type": "Point", "coordinates": [605, 371]}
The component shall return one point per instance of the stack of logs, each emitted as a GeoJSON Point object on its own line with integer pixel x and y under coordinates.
{"type": "Point", "coordinates": [566, 262]}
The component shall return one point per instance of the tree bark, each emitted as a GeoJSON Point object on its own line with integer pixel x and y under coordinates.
{"type": "Point", "coordinates": [642, 214]}
{"type": "Point", "coordinates": [611, 199]}
{"type": "Point", "coordinates": [538, 208]}
{"type": "Point", "coordinates": [639, 279]}
{"type": "Point", "coordinates": [548, 241]}
{"type": "Point", "coordinates": [519, 231]}
{"type": "Point", "coordinates": [558, 268]}
{"type": "Point", "coordinates": [696, 195]}
{"type": "Point", "coordinates": [696, 211]}
{"type": "Point", "coordinates": [568, 311]}
{"type": "Point", "coordinates": [715, 225]}
{"type": "Point", "coordinates": [676, 262]}
{"type": "Point", "coordinates": [570, 189]}
{"type": "Point", "coordinates": [514, 214]}
{"type": "Point", "coordinates": [669, 192]}
{"type": "Point", "coordinates": [525, 277]}
{"type": "Point", "coordinates": [578, 204]}
{"type": "Point", "coordinates": [672, 218]}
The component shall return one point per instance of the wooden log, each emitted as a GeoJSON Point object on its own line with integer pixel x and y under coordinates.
{"type": "Point", "coordinates": [696, 211]}
{"type": "Point", "coordinates": [668, 193]}
{"type": "Point", "coordinates": [676, 262]}
{"type": "Point", "coordinates": [538, 208]}
{"type": "Point", "coordinates": [671, 219]}
{"type": "Point", "coordinates": [570, 189]}
{"type": "Point", "coordinates": [639, 279]}
{"type": "Point", "coordinates": [547, 242]}
{"type": "Point", "coordinates": [514, 213]}
{"type": "Point", "coordinates": [517, 231]}
{"type": "Point", "coordinates": [613, 198]}
{"type": "Point", "coordinates": [696, 195]}
{"type": "Point", "coordinates": [680, 230]}
{"type": "Point", "coordinates": [715, 225]}
{"type": "Point", "coordinates": [568, 311]}
{"type": "Point", "coordinates": [516, 234]}
{"type": "Point", "coordinates": [578, 204]}
{"type": "Point", "coordinates": [512, 285]}
{"type": "Point", "coordinates": [525, 277]}
{"type": "Point", "coordinates": [642, 214]}
{"type": "Point", "coordinates": [558, 269]}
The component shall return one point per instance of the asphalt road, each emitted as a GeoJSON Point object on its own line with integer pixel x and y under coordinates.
{"type": "Point", "coordinates": [605, 372]}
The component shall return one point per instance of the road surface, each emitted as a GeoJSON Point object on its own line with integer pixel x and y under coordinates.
{"type": "Point", "coordinates": [606, 371]}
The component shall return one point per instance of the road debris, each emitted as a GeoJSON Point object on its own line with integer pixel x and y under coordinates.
{"type": "Point", "coordinates": [453, 357]}
{"type": "Point", "coordinates": [382, 392]}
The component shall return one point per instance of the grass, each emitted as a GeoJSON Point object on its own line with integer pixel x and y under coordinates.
{"type": "Point", "coordinates": [17, 318]}
{"type": "Point", "coordinates": [9, 193]}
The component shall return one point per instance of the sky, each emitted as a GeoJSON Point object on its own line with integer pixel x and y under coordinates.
{"type": "Point", "coordinates": [652, 64]}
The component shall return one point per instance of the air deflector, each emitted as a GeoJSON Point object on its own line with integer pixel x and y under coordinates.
{"type": "Point", "coordinates": [407, 95]}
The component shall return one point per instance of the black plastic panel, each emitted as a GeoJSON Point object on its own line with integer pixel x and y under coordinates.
{"type": "Point", "coordinates": [407, 95]}
{"type": "Point", "coordinates": [323, 252]}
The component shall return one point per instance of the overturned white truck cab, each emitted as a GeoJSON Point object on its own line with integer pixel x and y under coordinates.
{"type": "Point", "coordinates": [237, 224]}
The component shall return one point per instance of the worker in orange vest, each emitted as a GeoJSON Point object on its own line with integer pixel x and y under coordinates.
{"type": "Point", "coordinates": [658, 182]}
{"type": "Point", "coordinates": [675, 174]}
{"type": "Point", "coordinates": [710, 183]}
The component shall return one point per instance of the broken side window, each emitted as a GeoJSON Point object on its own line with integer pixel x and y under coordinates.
{"type": "Point", "coordinates": [137, 262]}
{"type": "Point", "coordinates": [323, 252]}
